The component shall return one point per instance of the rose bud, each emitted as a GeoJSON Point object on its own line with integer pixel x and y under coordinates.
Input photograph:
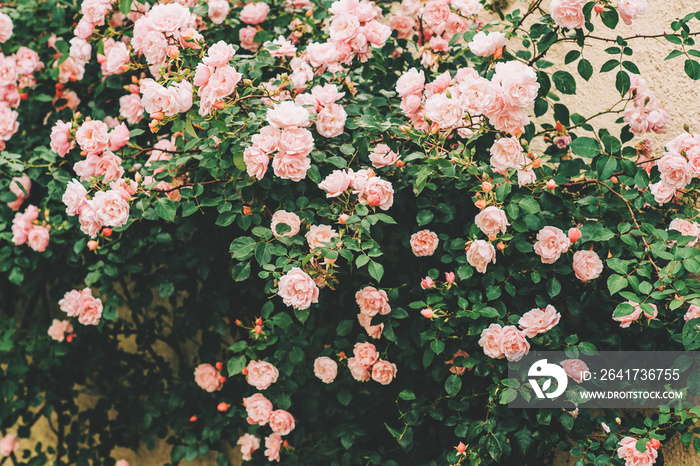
{"type": "Point", "coordinates": [559, 126]}
{"type": "Point", "coordinates": [92, 245]}
{"type": "Point", "coordinates": [343, 218]}
{"type": "Point", "coordinates": [574, 234]}
{"type": "Point", "coordinates": [598, 8]}
{"type": "Point", "coordinates": [239, 323]}
{"type": "Point", "coordinates": [70, 338]}
{"type": "Point", "coordinates": [107, 231]}
{"type": "Point", "coordinates": [614, 179]}
{"type": "Point", "coordinates": [400, 163]}
{"type": "Point", "coordinates": [219, 365]}
{"type": "Point", "coordinates": [246, 210]}
{"type": "Point", "coordinates": [450, 277]}
{"type": "Point", "coordinates": [461, 447]}
{"type": "Point", "coordinates": [486, 186]}
{"type": "Point", "coordinates": [551, 184]}
{"type": "Point", "coordinates": [222, 379]}
{"type": "Point", "coordinates": [158, 116]}
{"type": "Point", "coordinates": [426, 283]}
{"type": "Point", "coordinates": [654, 443]}
{"type": "Point", "coordinates": [244, 371]}
{"type": "Point", "coordinates": [258, 321]}
{"type": "Point", "coordinates": [193, 419]}
{"type": "Point", "coordinates": [258, 329]}
{"type": "Point", "coordinates": [481, 203]}
{"type": "Point", "coordinates": [537, 163]}
{"type": "Point", "coordinates": [427, 313]}
{"type": "Point", "coordinates": [500, 246]}
{"type": "Point", "coordinates": [222, 407]}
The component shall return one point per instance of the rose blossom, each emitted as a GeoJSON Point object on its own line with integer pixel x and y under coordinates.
{"type": "Point", "coordinates": [404, 25]}
{"type": "Point", "coordinates": [268, 139]}
{"type": "Point", "coordinates": [574, 368]}
{"type": "Point", "coordinates": [628, 451]}
{"type": "Point", "coordinates": [444, 111]}
{"type": "Point", "coordinates": [258, 408]}
{"type": "Point", "coordinates": [297, 289]}
{"type": "Point", "coordinates": [539, 321]}
{"type": "Point", "coordinates": [551, 243]}
{"type": "Point", "coordinates": [247, 38]}
{"type": "Point", "coordinates": [377, 192]}
{"type": "Point", "coordinates": [75, 197]}
{"type": "Point", "coordinates": [60, 138]}
{"type": "Point", "coordinates": [168, 18]}
{"type": "Point", "coordinates": [365, 353]}
{"type": "Point", "coordinates": [424, 243]}
{"type": "Point", "coordinates": [90, 221]}
{"type": "Point", "coordinates": [318, 235]}
{"type": "Point", "coordinates": [92, 136]}
{"type": "Point", "coordinates": [261, 374]}
{"type": "Point", "coordinates": [330, 121]}
{"type": "Point", "coordinates": [490, 341]}
{"type": "Point", "coordinates": [506, 153]}
{"type": "Point", "coordinates": [359, 371]}
{"type": "Point", "coordinates": [256, 161]}
{"type": "Point", "coordinates": [208, 378]}
{"type": "Point", "coordinates": [383, 372]}
{"type": "Point", "coordinates": [410, 83]}
{"type": "Point", "coordinates": [518, 83]}
{"type": "Point", "coordinates": [382, 156]}
{"type": "Point", "coordinates": [287, 218]}
{"type": "Point", "coordinates": [9, 443]}
{"type": "Point", "coordinates": [5, 27]}
{"type": "Point", "coordinates": [567, 13]}
{"type": "Point", "coordinates": [249, 443]}
{"type": "Point", "coordinates": [111, 207]}
{"type": "Point", "coordinates": [118, 137]}
{"type": "Point", "coordinates": [281, 422]}
{"type": "Point", "coordinates": [59, 328]}
{"type": "Point", "coordinates": [219, 54]}
{"type": "Point", "coordinates": [70, 304]}
{"type": "Point", "coordinates": [287, 115]}
{"type": "Point", "coordinates": [491, 221]}
{"type": "Point", "coordinates": [674, 170]}
{"type": "Point", "coordinates": [336, 183]}
{"type": "Point", "coordinates": [117, 59]}
{"type": "Point", "coordinates": [625, 321]}
{"type": "Point", "coordinates": [485, 45]}
{"type": "Point", "coordinates": [686, 228]}
{"type": "Point", "coordinates": [38, 238]}
{"type": "Point", "coordinates": [131, 108]}
{"type": "Point", "coordinates": [374, 331]}
{"type": "Point", "coordinates": [480, 254]}
{"type": "Point", "coordinates": [587, 265]}
{"type": "Point", "coordinates": [372, 301]}
{"type": "Point", "coordinates": [436, 12]}
{"type": "Point", "coordinates": [325, 369]}
{"type": "Point", "coordinates": [692, 313]}
{"type": "Point", "coordinates": [218, 10]}
{"type": "Point", "coordinates": [513, 344]}
{"type": "Point", "coordinates": [631, 9]}
{"type": "Point", "coordinates": [290, 167]}
{"type": "Point", "coordinates": [255, 13]}
{"type": "Point", "coordinates": [273, 443]}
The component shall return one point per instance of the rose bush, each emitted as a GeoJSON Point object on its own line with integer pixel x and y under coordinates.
{"type": "Point", "coordinates": [318, 229]}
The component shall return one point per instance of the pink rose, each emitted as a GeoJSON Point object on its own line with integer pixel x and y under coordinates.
{"type": "Point", "coordinates": [261, 374]}
{"type": "Point", "coordinates": [256, 161]}
{"type": "Point", "coordinates": [539, 321]}
{"type": "Point", "coordinates": [513, 344]}
{"type": "Point", "coordinates": [507, 153]}
{"type": "Point", "coordinates": [287, 115]}
{"type": "Point", "coordinates": [490, 341]}
{"type": "Point", "coordinates": [330, 121]}
{"type": "Point", "coordinates": [628, 451]}
{"type": "Point", "coordinates": [518, 83]}
{"type": "Point", "coordinates": [208, 378]}
{"type": "Point", "coordinates": [662, 193]}
{"type": "Point", "coordinates": [258, 408]}
{"type": "Point", "coordinates": [403, 25]}
{"type": "Point", "coordinates": [202, 75]}
{"type": "Point", "coordinates": [5, 29]}
{"type": "Point", "coordinates": [94, 11]}
{"type": "Point", "coordinates": [383, 372]}
{"type": "Point", "coordinates": [218, 10]}
{"type": "Point", "coordinates": [297, 289]}
{"type": "Point", "coordinates": [118, 137]}
{"type": "Point", "coordinates": [290, 167]}
{"type": "Point", "coordinates": [374, 331]}
{"type": "Point", "coordinates": [319, 235]}
{"type": "Point", "coordinates": [692, 313]}
{"type": "Point", "coordinates": [574, 368]}
{"type": "Point", "coordinates": [111, 207]}
{"type": "Point", "coordinates": [674, 170]}
{"type": "Point", "coordinates": [157, 98]}
{"type": "Point", "coordinates": [567, 13]}
{"type": "Point", "coordinates": [382, 156]}
{"type": "Point", "coordinates": [321, 54]}
{"type": "Point", "coordinates": [255, 13]}
{"type": "Point", "coordinates": [445, 112]}
{"type": "Point", "coordinates": [325, 369]}
{"type": "Point", "coordinates": [411, 82]}
{"type": "Point", "coordinates": [377, 192]}
{"type": "Point", "coordinates": [372, 301]}
{"type": "Point", "coordinates": [90, 221]}
{"type": "Point", "coordinates": [154, 47]}
{"type": "Point", "coordinates": [365, 354]}
{"type": "Point", "coordinates": [84, 28]}
{"type": "Point", "coordinates": [686, 228]}
{"type": "Point", "coordinates": [377, 33]}
{"type": "Point", "coordinates": [424, 243]}
{"type": "Point", "coordinates": [249, 443]}
{"type": "Point", "coordinates": [220, 53]}
{"type": "Point", "coordinates": [491, 221]}
{"type": "Point", "coordinates": [587, 265]}
{"type": "Point", "coordinates": [38, 238]}
{"type": "Point", "coordinates": [60, 138]}
{"type": "Point", "coordinates": [281, 422]}
{"type": "Point", "coordinates": [90, 308]}
{"type": "Point", "coordinates": [344, 27]}
{"type": "Point", "coordinates": [273, 443]}
{"type": "Point", "coordinates": [247, 38]}
{"type": "Point", "coordinates": [71, 303]}
{"type": "Point", "coordinates": [10, 443]}
{"type": "Point", "coordinates": [287, 218]}
{"type": "Point", "coordinates": [626, 320]}
{"type": "Point", "coordinates": [336, 183]}
{"type": "Point", "coordinates": [59, 328]}
{"type": "Point", "coordinates": [168, 18]}
{"type": "Point", "coordinates": [92, 136]}
{"type": "Point", "coordinates": [326, 95]}
{"type": "Point", "coordinates": [359, 371]}
{"type": "Point", "coordinates": [131, 108]}
{"type": "Point", "coordinates": [632, 9]}
{"type": "Point", "coordinates": [75, 197]}
{"type": "Point", "coordinates": [485, 45]}
{"type": "Point", "coordinates": [551, 243]}
{"type": "Point", "coordinates": [117, 59]}
{"type": "Point", "coordinates": [282, 48]}
{"type": "Point", "coordinates": [436, 12]}
{"type": "Point", "coordinates": [296, 141]}
{"type": "Point", "coordinates": [268, 139]}
{"type": "Point", "coordinates": [480, 254]}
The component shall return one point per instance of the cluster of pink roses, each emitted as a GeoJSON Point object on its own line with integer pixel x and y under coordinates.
{"type": "Point", "coordinates": [215, 78]}
{"type": "Point", "coordinates": [83, 305]}
{"type": "Point", "coordinates": [330, 116]}
{"type": "Point", "coordinates": [370, 189]}
{"type": "Point", "coordinates": [553, 242]}
{"type": "Point", "coordinates": [252, 14]}
{"type": "Point", "coordinates": [459, 102]}
{"type": "Point", "coordinates": [628, 451]}
{"type": "Point", "coordinates": [106, 208]}
{"type": "Point", "coordinates": [372, 302]}
{"type": "Point", "coordinates": [626, 321]}
{"type": "Point", "coordinates": [94, 138]}
{"type": "Point", "coordinates": [59, 328]}
{"type": "Point", "coordinates": [160, 101]}
{"type": "Point", "coordinates": [208, 378]}
{"type": "Point", "coordinates": [27, 228]}
{"type": "Point", "coordinates": [16, 75]}
{"type": "Point", "coordinates": [686, 228]}
{"type": "Point", "coordinates": [678, 166]}
{"type": "Point", "coordinates": [508, 154]}
{"type": "Point", "coordinates": [648, 114]}
{"type": "Point", "coordinates": [286, 137]}
{"type": "Point", "coordinates": [260, 411]}
{"type": "Point", "coordinates": [366, 363]}
{"type": "Point", "coordinates": [20, 187]}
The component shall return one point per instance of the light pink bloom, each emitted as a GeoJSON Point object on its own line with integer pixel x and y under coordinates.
{"type": "Point", "coordinates": [321, 54]}
{"type": "Point", "coordinates": [256, 161]}
{"type": "Point", "coordinates": [92, 136]}
{"type": "Point", "coordinates": [513, 344]}
{"type": "Point", "coordinates": [319, 235]}
{"type": "Point", "coordinates": [288, 218]}
{"type": "Point", "coordinates": [288, 114]}
{"type": "Point", "coordinates": [267, 139]}
{"type": "Point", "coordinates": [71, 303]}
{"type": "Point", "coordinates": [358, 371]}
{"type": "Point", "coordinates": [258, 408]}
{"type": "Point", "coordinates": [111, 207]}
{"type": "Point", "coordinates": [281, 422]}
{"type": "Point", "coordinates": [686, 228]}
{"type": "Point", "coordinates": [587, 265]}
{"type": "Point", "coordinates": [480, 254]}
{"type": "Point", "coordinates": [491, 221]}
{"type": "Point", "coordinates": [424, 243]}
{"type": "Point", "coordinates": [168, 18]}
{"type": "Point", "coordinates": [372, 301]}
{"type": "Point", "coordinates": [283, 48]}
{"type": "Point", "coordinates": [674, 170]}
{"type": "Point", "coordinates": [518, 83]}
{"type": "Point", "coordinates": [377, 192]}
{"type": "Point", "coordinates": [382, 156]}
{"type": "Point", "coordinates": [365, 354]}
{"type": "Point", "coordinates": [59, 328]}
{"type": "Point", "coordinates": [444, 111]}
{"type": "Point", "coordinates": [208, 378]}
{"type": "Point", "coordinates": [574, 368]}
{"type": "Point", "coordinates": [344, 27]}
{"type": "Point", "coordinates": [436, 12]}
{"type": "Point", "coordinates": [90, 221]}
{"type": "Point", "coordinates": [261, 374]}
{"type": "Point", "coordinates": [336, 183]}
{"type": "Point", "coordinates": [297, 289]}
{"type": "Point", "coordinates": [507, 153]}
{"type": "Point", "coordinates": [5, 27]}
{"type": "Point", "coordinates": [692, 313]}
{"type": "Point", "coordinates": [485, 45]}
{"type": "Point", "coordinates": [131, 108]}
{"type": "Point", "coordinates": [539, 321]}
{"type": "Point", "coordinates": [383, 372]}
{"type": "Point", "coordinates": [90, 308]}
{"type": "Point", "coordinates": [411, 82]}
{"type": "Point", "coordinates": [404, 25]}
{"type": "Point", "coordinates": [217, 12]}
{"type": "Point", "coordinates": [374, 331]}
{"type": "Point", "coordinates": [325, 369]}
{"type": "Point", "coordinates": [249, 443]}
{"type": "Point", "coordinates": [10, 443]}
{"type": "Point", "coordinates": [628, 451]}
{"type": "Point", "coordinates": [551, 243]}
{"type": "Point", "coordinates": [38, 238]}
{"type": "Point", "coordinates": [255, 13]}
{"type": "Point", "coordinates": [632, 9]}
{"type": "Point", "coordinates": [247, 38]}
{"type": "Point", "coordinates": [330, 121]}
{"type": "Point", "coordinates": [273, 443]}
{"type": "Point", "coordinates": [290, 167]}
{"type": "Point", "coordinates": [567, 13]}
{"type": "Point", "coordinates": [219, 54]}
{"type": "Point", "coordinates": [154, 47]}
{"type": "Point", "coordinates": [296, 141]}
{"type": "Point", "coordinates": [118, 137]}
{"type": "Point", "coordinates": [75, 197]}
{"type": "Point", "coordinates": [117, 59]}
{"type": "Point", "coordinates": [376, 33]}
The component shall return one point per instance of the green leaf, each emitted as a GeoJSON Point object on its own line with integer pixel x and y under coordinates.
{"type": "Point", "coordinates": [585, 147]}
{"type": "Point", "coordinates": [610, 17]}
{"type": "Point", "coordinates": [692, 69]}
{"type": "Point", "coordinates": [691, 335]}
{"type": "Point", "coordinates": [125, 6]}
{"type": "Point", "coordinates": [438, 346]}
{"type": "Point", "coordinates": [424, 217]}
{"type": "Point", "coordinates": [564, 82]}
{"type": "Point", "coordinates": [344, 327]}
{"type": "Point", "coordinates": [166, 209]}
{"type": "Point", "coordinates": [616, 283]}
{"type": "Point", "coordinates": [344, 397]}
{"type": "Point", "coordinates": [622, 82]}
{"type": "Point", "coordinates": [236, 365]}
{"type": "Point", "coordinates": [242, 247]}
{"type": "Point", "coordinates": [453, 384]}
{"type": "Point", "coordinates": [376, 270]}
{"type": "Point", "coordinates": [585, 69]}
{"type": "Point", "coordinates": [407, 395]}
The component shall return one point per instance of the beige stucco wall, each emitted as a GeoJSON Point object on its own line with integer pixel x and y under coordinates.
{"type": "Point", "coordinates": [666, 78]}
